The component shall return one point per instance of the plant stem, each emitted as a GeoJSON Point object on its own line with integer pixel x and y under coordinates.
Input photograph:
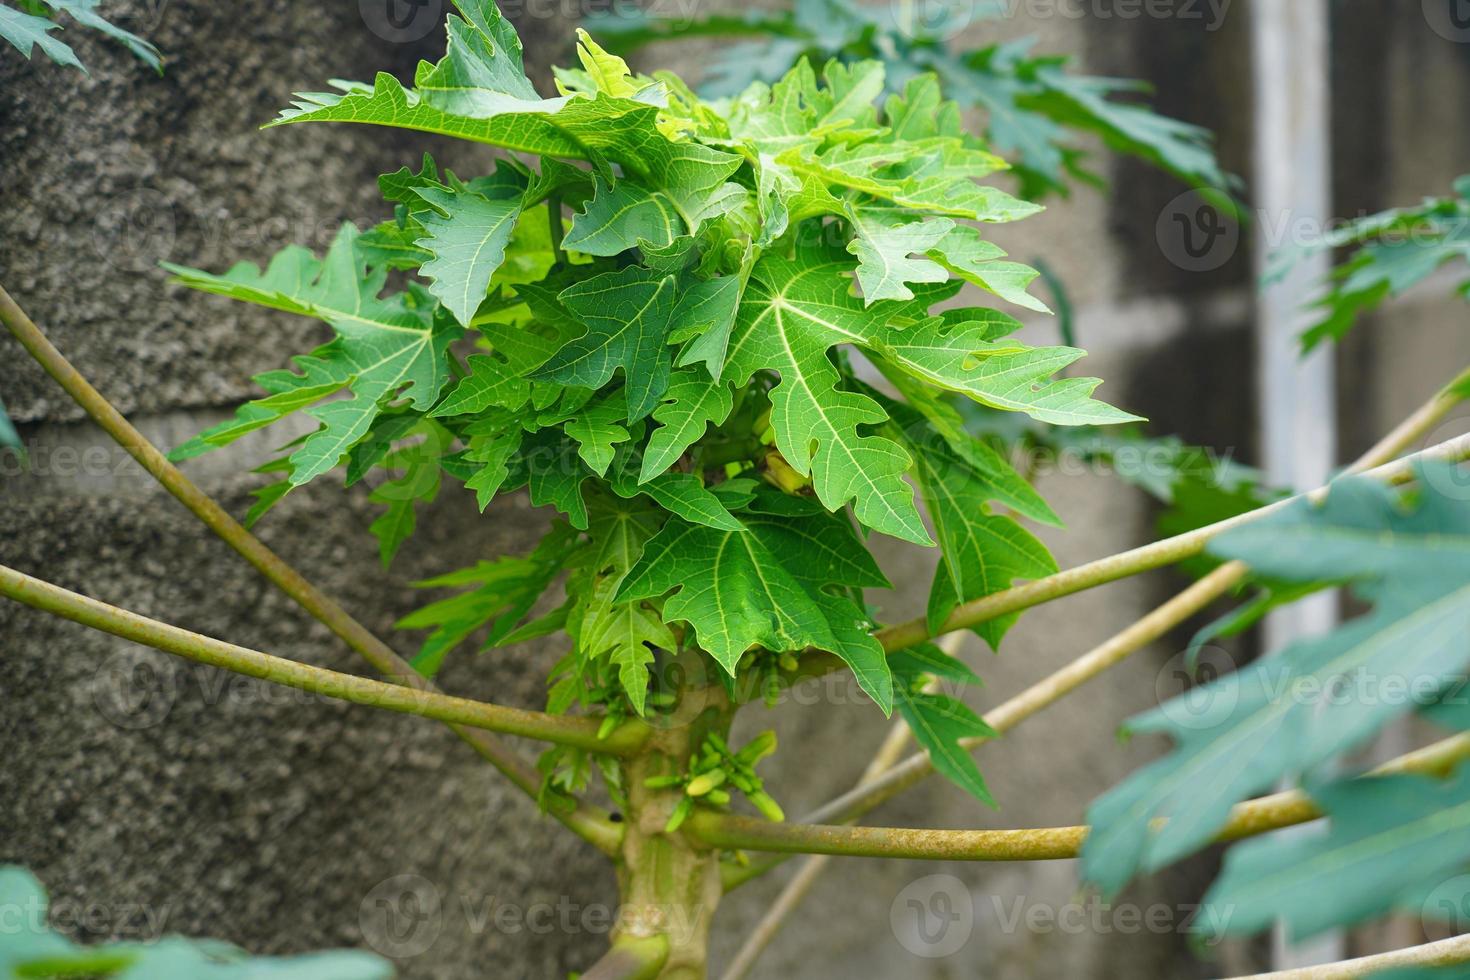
{"type": "Point", "coordinates": [753, 834]}
{"type": "Point", "coordinates": [631, 959]}
{"type": "Point", "coordinates": [1124, 564]}
{"type": "Point", "coordinates": [588, 822]}
{"type": "Point", "coordinates": [780, 911]}
{"type": "Point", "coordinates": [1247, 819]}
{"type": "Point", "coordinates": [669, 882]}
{"type": "Point", "coordinates": [1446, 952]}
{"type": "Point", "coordinates": [561, 730]}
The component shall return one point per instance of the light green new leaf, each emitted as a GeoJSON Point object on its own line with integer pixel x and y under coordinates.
{"type": "Point", "coordinates": [958, 351]}
{"type": "Point", "coordinates": [885, 243]}
{"type": "Point", "coordinates": [1391, 841]}
{"type": "Point", "coordinates": [1294, 711]}
{"type": "Point", "coordinates": [479, 91]}
{"type": "Point", "coordinates": [607, 72]}
{"type": "Point", "coordinates": [967, 255]}
{"type": "Point", "coordinates": [384, 346]}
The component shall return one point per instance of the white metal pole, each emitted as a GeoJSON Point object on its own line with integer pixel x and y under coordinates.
{"type": "Point", "coordinates": [1292, 185]}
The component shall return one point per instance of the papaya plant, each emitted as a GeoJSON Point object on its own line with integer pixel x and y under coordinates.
{"type": "Point", "coordinates": [719, 340]}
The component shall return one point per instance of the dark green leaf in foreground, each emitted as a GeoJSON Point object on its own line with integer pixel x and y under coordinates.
{"type": "Point", "coordinates": [652, 316]}
{"type": "Point", "coordinates": [29, 948]}
{"type": "Point", "coordinates": [1298, 709]}
{"type": "Point", "coordinates": [1390, 843]}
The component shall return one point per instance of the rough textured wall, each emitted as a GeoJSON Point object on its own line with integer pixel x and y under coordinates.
{"type": "Point", "coordinates": [274, 821]}
{"type": "Point", "coordinates": [229, 811]}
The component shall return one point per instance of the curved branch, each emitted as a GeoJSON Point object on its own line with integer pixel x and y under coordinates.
{"type": "Point", "coordinates": [631, 959]}
{"type": "Point", "coordinates": [1128, 563]}
{"type": "Point", "coordinates": [1040, 695]}
{"type": "Point", "coordinates": [780, 911]}
{"type": "Point", "coordinates": [1043, 693]}
{"type": "Point", "coordinates": [1446, 952]}
{"type": "Point", "coordinates": [875, 790]}
{"type": "Point", "coordinates": [558, 729]}
{"type": "Point", "coordinates": [755, 834]}
{"type": "Point", "coordinates": [588, 822]}
{"type": "Point", "coordinates": [1247, 819]}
